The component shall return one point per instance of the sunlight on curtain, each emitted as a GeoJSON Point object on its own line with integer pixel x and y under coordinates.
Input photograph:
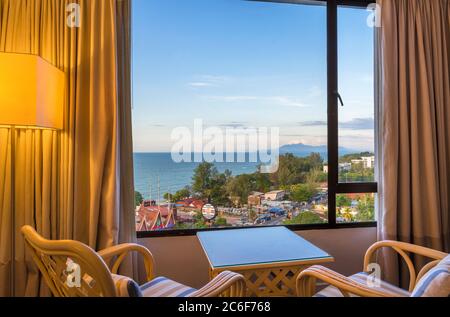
{"type": "Point", "coordinates": [415, 134]}
{"type": "Point", "coordinates": [69, 183]}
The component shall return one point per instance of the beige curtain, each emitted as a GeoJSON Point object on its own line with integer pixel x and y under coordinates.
{"type": "Point", "coordinates": [76, 183]}
{"type": "Point", "coordinates": [415, 126]}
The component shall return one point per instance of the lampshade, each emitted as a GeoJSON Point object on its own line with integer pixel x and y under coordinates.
{"type": "Point", "coordinates": [31, 92]}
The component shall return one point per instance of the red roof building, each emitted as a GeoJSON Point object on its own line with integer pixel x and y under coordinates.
{"type": "Point", "coordinates": [153, 217]}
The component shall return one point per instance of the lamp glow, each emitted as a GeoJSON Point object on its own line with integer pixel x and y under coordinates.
{"type": "Point", "coordinates": [31, 92]}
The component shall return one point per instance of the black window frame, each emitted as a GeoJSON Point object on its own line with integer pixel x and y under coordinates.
{"type": "Point", "coordinates": [334, 186]}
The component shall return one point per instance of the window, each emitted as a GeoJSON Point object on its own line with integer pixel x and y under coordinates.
{"type": "Point", "coordinates": [356, 87]}
{"type": "Point", "coordinates": [231, 115]}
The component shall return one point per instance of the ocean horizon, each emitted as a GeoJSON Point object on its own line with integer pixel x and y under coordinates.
{"type": "Point", "coordinates": [151, 168]}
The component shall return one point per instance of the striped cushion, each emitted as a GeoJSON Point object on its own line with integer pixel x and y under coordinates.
{"type": "Point", "coordinates": [125, 286]}
{"type": "Point", "coordinates": [332, 291]}
{"type": "Point", "coordinates": [436, 283]}
{"type": "Point", "coordinates": [163, 287]}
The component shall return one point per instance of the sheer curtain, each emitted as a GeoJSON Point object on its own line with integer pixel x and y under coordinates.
{"type": "Point", "coordinates": [414, 126]}
{"type": "Point", "coordinates": [76, 183]}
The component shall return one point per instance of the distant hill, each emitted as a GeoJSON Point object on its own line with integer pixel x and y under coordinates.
{"type": "Point", "coordinates": [303, 150]}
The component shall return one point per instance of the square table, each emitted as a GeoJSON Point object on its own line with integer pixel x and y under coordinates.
{"type": "Point", "coordinates": [270, 258]}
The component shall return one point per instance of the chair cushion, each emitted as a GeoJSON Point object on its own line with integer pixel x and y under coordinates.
{"type": "Point", "coordinates": [164, 287]}
{"type": "Point", "coordinates": [436, 282]}
{"type": "Point", "coordinates": [332, 291]}
{"type": "Point", "coordinates": [125, 286]}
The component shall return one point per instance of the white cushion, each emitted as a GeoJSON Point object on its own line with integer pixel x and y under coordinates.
{"type": "Point", "coordinates": [436, 282]}
{"type": "Point", "coordinates": [361, 278]}
{"type": "Point", "coordinates": [164, 287]}
{"type": "Point", "coordinates": [125, 286]}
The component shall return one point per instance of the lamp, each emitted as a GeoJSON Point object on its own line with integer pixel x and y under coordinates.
{"type": "Point", "coordinates": [31, 97]}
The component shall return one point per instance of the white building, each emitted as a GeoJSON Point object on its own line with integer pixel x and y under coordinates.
{"type": "Point", "coordinates": [365, 161]}
{"type": "Point", "coordinates": [275, 195]}
{"type": "Point", "coordinates": [345, 167]}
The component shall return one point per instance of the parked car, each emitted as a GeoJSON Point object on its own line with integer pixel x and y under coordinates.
{"type": "Point", "coordinates": [263, 219]}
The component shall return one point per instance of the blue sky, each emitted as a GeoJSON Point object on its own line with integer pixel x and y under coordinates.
{"type": "Point", "coordinates": [252, 64]}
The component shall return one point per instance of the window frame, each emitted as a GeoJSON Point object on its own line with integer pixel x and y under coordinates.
{"type": "Point", "coordinates": [334, 186]}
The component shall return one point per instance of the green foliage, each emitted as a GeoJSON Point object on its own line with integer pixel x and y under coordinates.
{"type": "Point", "coordinates": [307, 217]}
{"type": "Point", "coordinates": [294, 170]}
{"type": "Point", "coordinates": [302, 192]}
{"type": "Point", "coordinates": [262, 182]}
{"type": "Point", "coordinates": [343, 201]}
{"type": "Point", "coordinates": [221, 222]}
{"type": "Point", "coordinates": [240, 186]}
{"type": "Point", "coordinates": [199, 221]}
{"type": "Point", "coordinates": [179, 195]}
{"type": "Point", "coordinates": [207, 182]}
{"type": "Point", "coordinates": [357, 174]}
{"type": "Point", "coordinates": [346, 213]}
{"type": "Point", "coordinates": [366, 209]}
{"type": "Point", "coordinates": [363, 211]}
{"type": "Point", "coordinates": [203, 178]}
{"type": "Point", "coordinates": [355, 156]}
{"type": "Point", "coordinates": [138, 199]}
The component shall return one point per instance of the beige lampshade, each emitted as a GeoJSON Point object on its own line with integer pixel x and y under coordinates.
{"type": "Point", "coordinates": [31, 92]}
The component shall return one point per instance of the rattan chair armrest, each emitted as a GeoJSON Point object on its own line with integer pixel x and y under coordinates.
{"type": "Point", "coordinates": [402, 248]}
{"type": "Point", "coordinates": [306, 283]}
{"type": "Point", "coordinates": [117, 254]}
{"type": "Point", "coordinates": [226, 284]}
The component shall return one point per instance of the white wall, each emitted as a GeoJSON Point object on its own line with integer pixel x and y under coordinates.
{"type": "Point", "coordinates": [182, 258]}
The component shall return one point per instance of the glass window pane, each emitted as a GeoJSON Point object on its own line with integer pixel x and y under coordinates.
{"type": "Point", "coordinates": [356, 86]}
{"type": "Point", "coordinates": [209, 70]}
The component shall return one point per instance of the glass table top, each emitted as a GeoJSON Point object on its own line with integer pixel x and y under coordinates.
{"type": "Point", "coordinates": [228, 248]}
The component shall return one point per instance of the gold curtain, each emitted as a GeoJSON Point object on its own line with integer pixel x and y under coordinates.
{"type": "Point", "coordinates": [415, 127]}
{"type": "Point", "coordinates": [76, 183]}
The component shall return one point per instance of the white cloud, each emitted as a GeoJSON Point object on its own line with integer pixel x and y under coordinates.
{"type": "Point", "coordinates": [202, 81]}
{"type": "Point", "coordinates": [307, 139]}
{"type": "Point", "coordinates": [200, 84]}
{"type": "Point", "coordinates": [274, 100]}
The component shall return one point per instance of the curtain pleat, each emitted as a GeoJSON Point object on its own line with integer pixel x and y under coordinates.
{"type": "Point", "coordinates": [5, 211]}
{"type": "Point", "coordinates": [415, 134]}
{"type": "Point", "coordinates": [75, 183]}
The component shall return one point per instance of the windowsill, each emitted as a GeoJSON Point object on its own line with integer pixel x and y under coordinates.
{"type": "Point", "coordinates": [193, 232]}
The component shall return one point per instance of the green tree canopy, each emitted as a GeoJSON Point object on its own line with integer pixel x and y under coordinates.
{"type": "Point", "coordinates": [302, 192]}
{"type": "Point", "coordinates": [343, 201]}
{"type": "Point", "coordinates": [304, 218]}
{"type": "Point", "coordinates": [208, 183]}
{"type": "Point", "coordinates": [138, 199]}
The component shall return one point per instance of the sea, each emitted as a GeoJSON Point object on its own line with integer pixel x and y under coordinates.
{"type": "Point", "coordinates": [156, 173]}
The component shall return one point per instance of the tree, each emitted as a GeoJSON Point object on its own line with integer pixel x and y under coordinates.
{"type": "Point", "coordinates": [366, 209]}
{"type": "Point", "coordinates": [343, 201]}
{"type": "Point", "coordinates": [240, 186]}
{"type": "Point", "coordinates": [304, 218]}
{"type": "Point", "coordinates": [294, 170]}
{"type": "Point", "coordinates": [220, 222]}
{"type": "Point", "coordinates": [200, 222]}
{"type": "Point", "coordinates": [302, 192]}
{"type": "Point", "coordinates": [179, 195]}
{"type": "Point", "coordinates": [203, 179]}
{"type": "Point", "coordinates": [262, 182]}
{"type": "Point", "coordinates": [355, 156]}
{"type": "Point", "coordinates": [138, 199]}
{"type": "Point", "coordinates": [346, 213]}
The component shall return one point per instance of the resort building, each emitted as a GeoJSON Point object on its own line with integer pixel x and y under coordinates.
{"type": "Point", "coordinates": [276, 195]}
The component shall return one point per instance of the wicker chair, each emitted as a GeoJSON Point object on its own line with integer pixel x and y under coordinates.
{"type": "Point", "coordinates": [357, 285]}
{"type": "Point", "coordinates": [61, 262]}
